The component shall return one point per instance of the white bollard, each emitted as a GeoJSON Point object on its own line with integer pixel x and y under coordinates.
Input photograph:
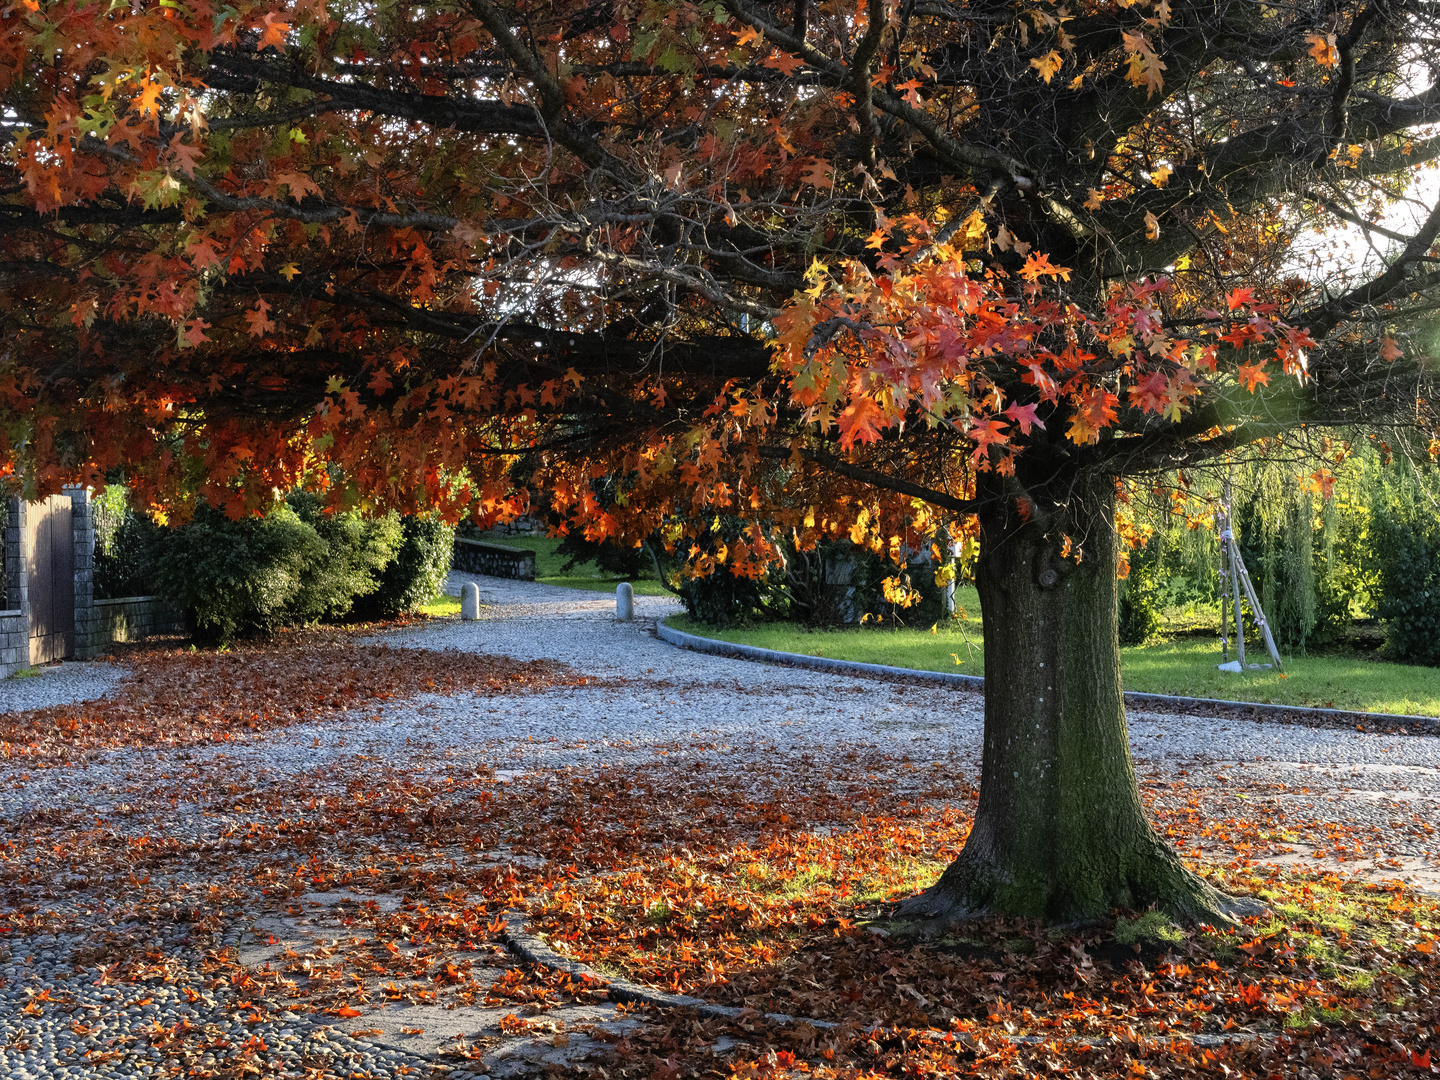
{"type": "Point", "coordinates": [470, 601]}
{"type": "Point", "coordinates": [624, 602]}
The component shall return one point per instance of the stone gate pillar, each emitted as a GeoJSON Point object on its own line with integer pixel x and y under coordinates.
{"type": "Point", "coordinates": [15, 618]}
{"type": "Point", "coordinates": [82, 525]}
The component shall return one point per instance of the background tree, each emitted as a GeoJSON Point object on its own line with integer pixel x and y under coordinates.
{"type": "Point", "coordinates": [1006, 254]}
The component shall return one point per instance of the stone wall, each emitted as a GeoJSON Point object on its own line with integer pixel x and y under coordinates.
{"type": "Point", "coordinates": [82, 527]}
{"type": "Point", "coordinates": [132, 618]}
{"type": "Point", "coordinates": [98, 623]}
{"type": "Point", "coordinates": [478, 557]}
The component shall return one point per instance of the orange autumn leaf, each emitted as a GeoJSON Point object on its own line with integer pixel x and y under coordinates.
{"type": "Point", "coordinates": [1252, 375]}
{"type": "Point", "coordinates": [1144, 65]}
{"type": "Point", "coordinates": [1048, 64]}
{"type": "Point", "coordinates": [1038, 266]}
{"type": "Point", "coordinates": [1322, 49]}
{"type": "Point", "coordinates": [861, 421]}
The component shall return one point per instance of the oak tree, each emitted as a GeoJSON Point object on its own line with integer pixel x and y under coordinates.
{"type": "Point", "coordinates": [831, 268]}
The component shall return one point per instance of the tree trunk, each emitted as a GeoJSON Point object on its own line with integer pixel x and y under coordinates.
{"type": "Point", "coordinates": [1059, 832]}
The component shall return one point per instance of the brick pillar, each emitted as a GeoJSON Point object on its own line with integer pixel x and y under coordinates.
{"type": "Point", "coordinates": [15, 629]}
{"type": "Point", "coordinates": [82, 526]}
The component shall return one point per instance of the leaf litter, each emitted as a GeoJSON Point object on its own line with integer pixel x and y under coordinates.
{"type": "Point", "coordinates": [760, 880]}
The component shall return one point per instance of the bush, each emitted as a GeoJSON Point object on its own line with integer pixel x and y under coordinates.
{"type": "Point", "coordinates": [416, 574]}
{"type": "Point", "coordinates": [235, 578]}
{"type": "Point", "coordinates": [1406, 549]}
{"type": "Point", "coordinates": [1140, 594]}
{"type": "Point", "coordinates": [294, 566]}
{"type": "Point", "coordinates": [358, 551]}
{"type": "Point", "coordinates": [720, 597]}
{"type": "Point", "coordinates": [827, 586]}
{"type": "Point", "coordinates": [123, 540]}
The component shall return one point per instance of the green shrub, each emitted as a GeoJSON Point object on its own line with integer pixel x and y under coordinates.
{"type": "Point", "coordinates": [1140, 594]}
{"type": "Point", "coordinates": [358, 552]}
{"type": "Point", "coordinates": [1344, 579]}
{"type": "Point", "coordinates": [1406, 549]}
{"type": "Point", "coordinates": [123, 540]}
{"type": "Point", "coordinates": [417, 572]}
{"type": "Point", "coordinates": [235, 578]}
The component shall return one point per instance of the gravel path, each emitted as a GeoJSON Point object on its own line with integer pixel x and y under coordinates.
{"type": "Point", "coordinates": [59, 684]}
{"type": "Point", "coordinates": [1321, 797]}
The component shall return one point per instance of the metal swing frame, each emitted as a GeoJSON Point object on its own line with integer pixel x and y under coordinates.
{"type": "Point", "coordinates": [1235, 579]}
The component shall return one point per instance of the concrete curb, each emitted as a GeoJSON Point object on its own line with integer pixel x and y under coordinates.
{"type": "Point", "coordinates": [716, 647]}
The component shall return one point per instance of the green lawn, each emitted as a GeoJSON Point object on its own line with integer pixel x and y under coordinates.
{"type": "Point", "coordinates": [549, 567]}
{"type": "Point", "coordinates": [1183, 666]}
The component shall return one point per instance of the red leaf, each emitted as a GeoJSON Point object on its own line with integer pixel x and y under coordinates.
{"type": "Point", "coordinates": [784, 63]}
{"type": "Point", "coordinates": [1024, 415]}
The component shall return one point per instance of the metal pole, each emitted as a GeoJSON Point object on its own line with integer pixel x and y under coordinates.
{"type": "Point", "coordinates": [1224, 593]}
{"type": "Point", "coordinates": [1259, 615]}
{"type": "Point", "coordinates": [1233, 551]}
{"type": "Point", "coordinates": [1235, 586]}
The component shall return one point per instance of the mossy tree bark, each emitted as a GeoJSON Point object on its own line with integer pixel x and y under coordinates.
{"type": "Point", "coordinates": [1059, 832]}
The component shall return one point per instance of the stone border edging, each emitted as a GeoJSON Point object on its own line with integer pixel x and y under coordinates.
{"type": "Point", "coordinates": [716, 647]}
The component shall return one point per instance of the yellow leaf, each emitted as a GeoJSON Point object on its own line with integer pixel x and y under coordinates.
{"type": "Point", "coordinates": [974, 227]}
{"type": "Point", "coordinates": [1095, 200]}
{"type": "Point", "coordinates": [1145, 66]}
{"type": "Point", "coordinates": [289, 271]}
{"type": "Point", "coordinates": [1161, 176]}
{"type": "Point", "coordinates": [1048, 64]}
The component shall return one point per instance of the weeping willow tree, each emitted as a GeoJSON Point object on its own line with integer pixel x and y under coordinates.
{"type": "Point", "coordinates": [1302, 510]}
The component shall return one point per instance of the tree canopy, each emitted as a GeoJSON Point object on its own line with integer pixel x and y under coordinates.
{"type": "Point", "coordinates": [822, 267]}
{"type": "Point", "coordinates": [418, 240]}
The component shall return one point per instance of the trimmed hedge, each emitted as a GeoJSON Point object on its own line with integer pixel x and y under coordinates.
{"type": "Point", "coordinates": [235, 578]}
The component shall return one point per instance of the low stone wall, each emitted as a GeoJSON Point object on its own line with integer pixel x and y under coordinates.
{"type": "Point", "coordinates": [14, 642]}
{"type": "Point", "coordinates": [131, 618]}
{"type": "Point", "coordinates": [478, 557]}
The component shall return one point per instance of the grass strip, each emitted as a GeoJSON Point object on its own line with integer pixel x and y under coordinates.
{"type": "Point", "coordinates": [1181, 666]}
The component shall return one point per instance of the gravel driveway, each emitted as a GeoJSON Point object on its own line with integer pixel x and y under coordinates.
{"type": "Point", "coordinates": [1233, 789]}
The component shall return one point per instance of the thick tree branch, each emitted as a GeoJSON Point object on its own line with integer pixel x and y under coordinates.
{"type": "Point", "coordinates": [884, 481]}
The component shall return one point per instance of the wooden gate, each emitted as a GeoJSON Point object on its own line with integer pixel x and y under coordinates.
{"type": "Point", "coordinates": [50, 572]}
